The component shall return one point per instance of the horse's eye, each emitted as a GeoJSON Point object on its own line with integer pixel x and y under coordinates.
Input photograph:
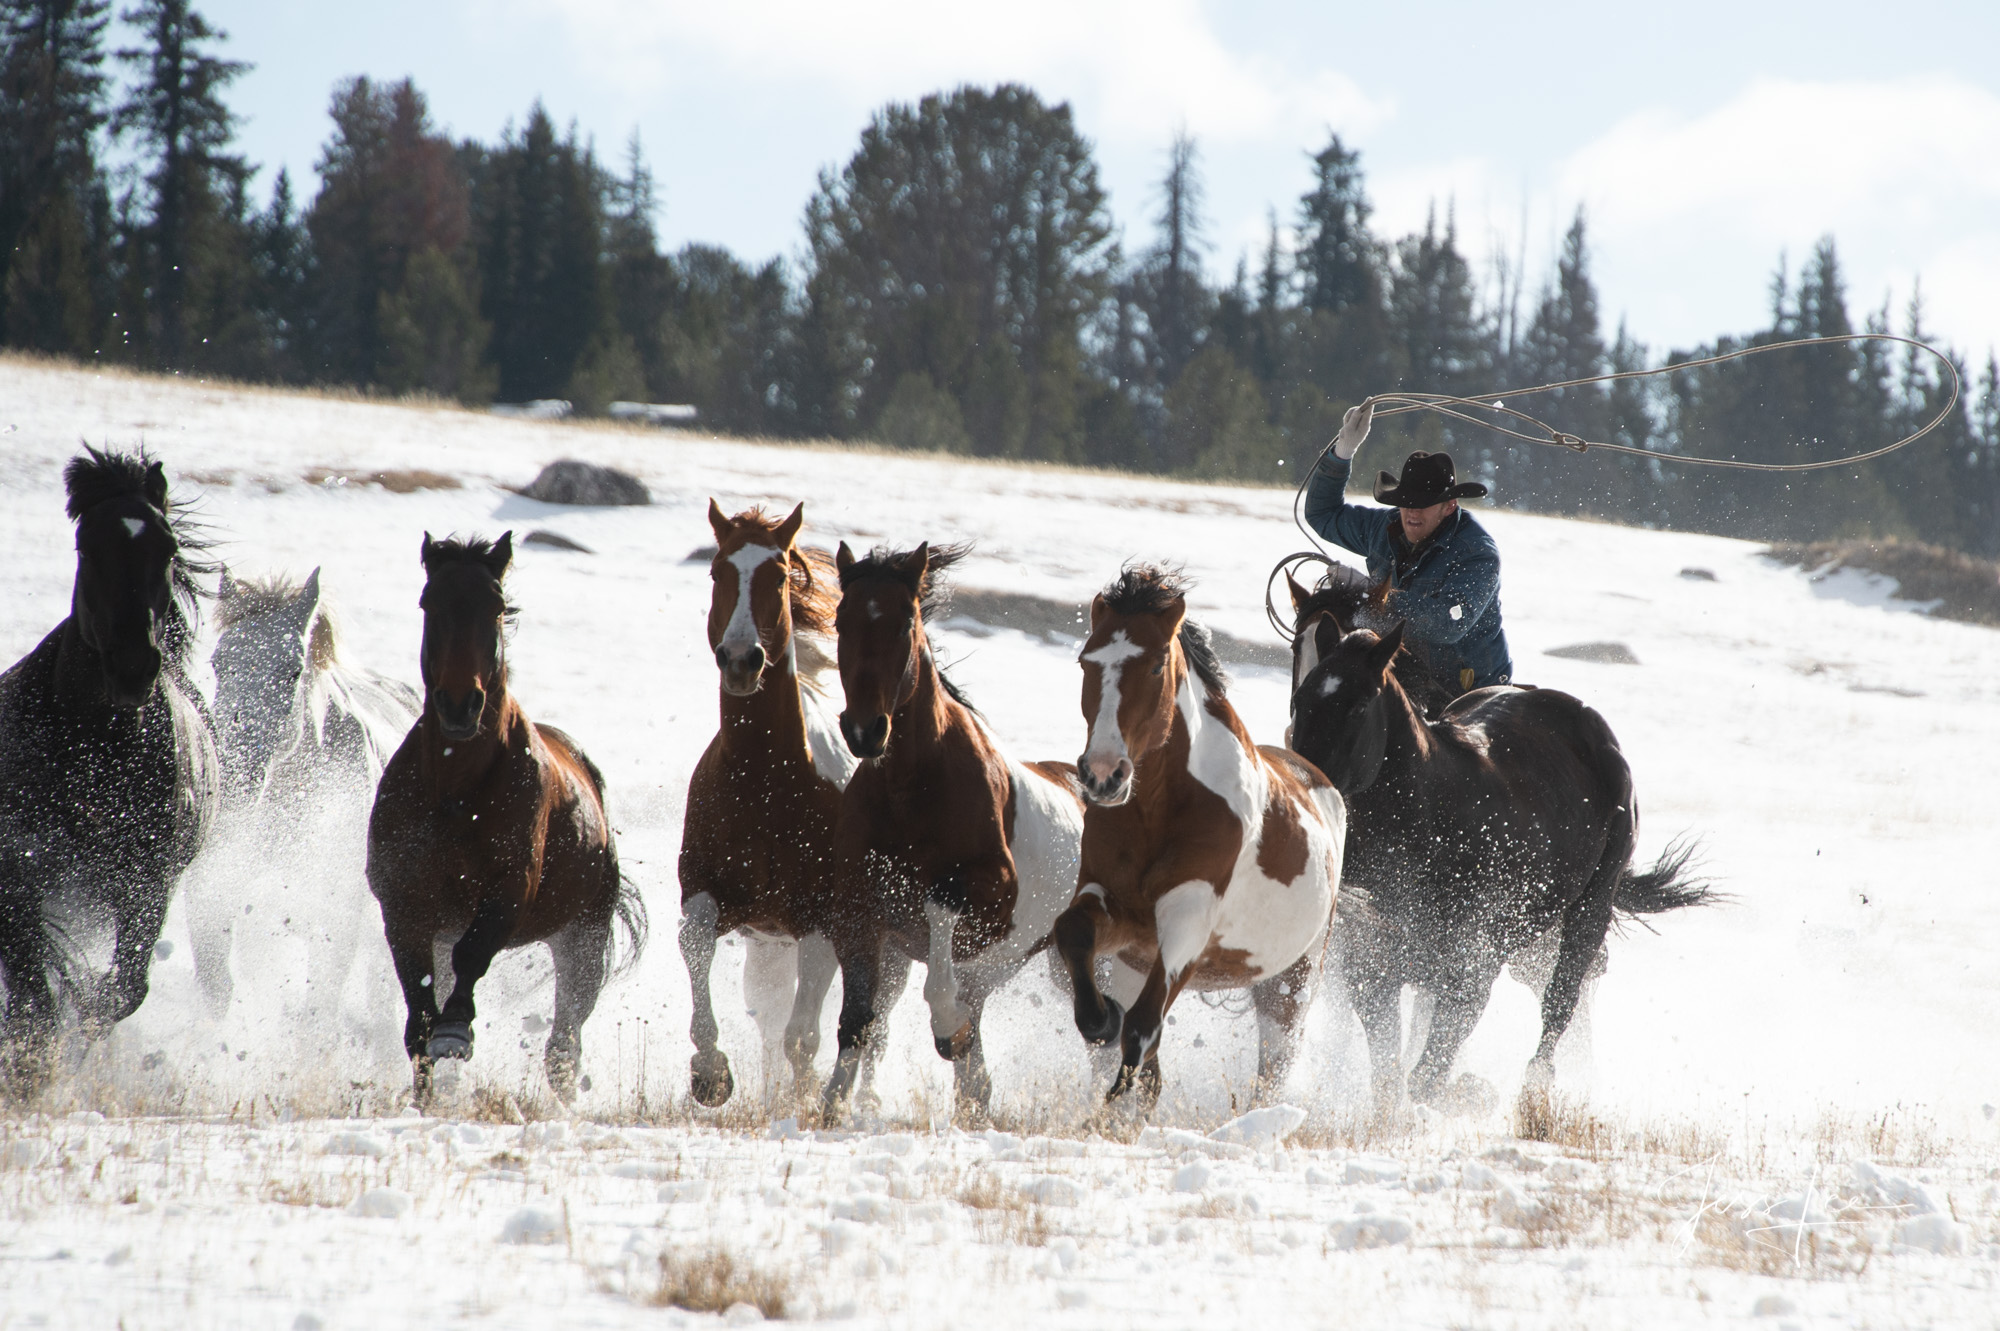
{"type": "Point", "coordinates": [1160, 666]}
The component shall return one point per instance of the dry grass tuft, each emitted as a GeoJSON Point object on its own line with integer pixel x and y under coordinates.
{"type": "Point", "coordinates": [1544, 1116]}
{"type": "Point", "coordinates": [401, 481]}
{"type": "Point", "coordinates": [714, 1280]}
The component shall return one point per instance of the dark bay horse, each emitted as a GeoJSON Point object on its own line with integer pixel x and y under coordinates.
{"type": "Point", "coordinates": [1208, 861]}
{"type": "Point", "coordinates": [947, 850]}
{"type": "Point", "coordinates": [489, 831]}
{"type": "Point", "coordinates": [108, 772]}
{"type": "Point", "coordinates": [1475, 836]}
{"type": "Point", "coordinates": [757, 843]}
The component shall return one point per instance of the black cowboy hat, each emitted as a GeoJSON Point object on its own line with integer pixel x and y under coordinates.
{"type": "Point", "coordinates": [1428, 478]}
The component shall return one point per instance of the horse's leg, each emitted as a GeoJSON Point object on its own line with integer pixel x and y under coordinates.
{"type": "Point", "coordinates": [579, 951]}
{"type": "Point", "coordinates": [817, 967]}
{"type": "Point", "coordinates": [1378, 1005]}
{"type": "Point", "coordinates": [860, 970]}
{"type": "Point", "coordinates": [412, 949]}
{"type": "Point", "coordinates": [770, 979]}
{"type": "Point", "coordinates": [492, 925]}
{"type": "Point", "coordinates": [28, 1031]}
{"type": "Point", "coordinates": [892, 977]}
{"type": "Point", "coordinates": [971, 1081]}
{"type": "Point", "coordinates": [211, 931]}
{"type": "Point", "coordinates": [135, 933]}
{"type": "Point", "coordinates": [1584, 926]}
{"type": "Point", "coordinates": [1535, 965]}
{"type": "Point", "coordinates": [1099, 1017]}
{"type": "Point", "coordinates": [1140, 1067]}
{"type": "Point", "coordinates": [709, 1080]}
{"type": "Point", "coordinates": [1457, 1010]}
{"type": "Point", "coordinates": [1281, 1006]}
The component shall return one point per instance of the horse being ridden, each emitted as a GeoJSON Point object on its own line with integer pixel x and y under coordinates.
{"type": "Point", "coordinates": [108, 780]}
{"type": "Point", "coordinates": [1208, 861]}
{"type": "Point", "coordinates": [304, 736]}
{"type": "Point", "coordinates": [947, 849]}
{"type": "Point", "coordinates": [757, 844]}
{"type": "Point", "coordinates": [1475, 836]}
{"type": "Point", "coordinates": [489, 830]}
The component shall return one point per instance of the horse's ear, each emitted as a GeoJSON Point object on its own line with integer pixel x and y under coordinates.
{"type": "Point", "coordinates": [424, 554]}
{"type": "Point", "coordinates": [1173, 615]}
{"type": "Point", "coordinates": [1299, 594]}
{"type": "Point", "coordinates": [788, 530]}
{"type": "Point", "coordinates": [156, 486]}
{"type": "Point", "coordinates": [1099, 608]}
{"type": "Point", "coordinates": [843, 559]}
{"type": "Point", "coordinates": [1327, 634]}
{"type": "Point", "coordinates": [1383, 654]}
{"type": "Point", "coordinates": [306, 604]}
{"type": "Point", "coordinates": [718, 522]}
{"type": "Point", "coordinates": [914, 565]}
{"type": "Point", "coordinates": [226, 589]}
{"type": "Point", "coordinates": [502, 556]}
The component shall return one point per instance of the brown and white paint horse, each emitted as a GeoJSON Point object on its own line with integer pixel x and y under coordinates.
{"type": "Point", "coordinates": [1208, 861]}
{"type": "Point", "coordinates": [757, 845]}
{"type": "Point", "coordinates": [948, 850]}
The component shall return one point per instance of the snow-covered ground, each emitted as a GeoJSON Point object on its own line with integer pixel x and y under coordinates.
{"type": "Point", "coordinates": [1835, 753]}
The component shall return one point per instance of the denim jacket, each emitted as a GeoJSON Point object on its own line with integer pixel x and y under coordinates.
{"type": "Point", "coordinates": [1446, 591]}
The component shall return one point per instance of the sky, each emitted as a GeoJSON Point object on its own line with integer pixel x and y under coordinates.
{"type": "Point", "coordinates": [1706, 141]}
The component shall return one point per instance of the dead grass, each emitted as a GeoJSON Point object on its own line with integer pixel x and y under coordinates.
{"type": "Point", "coordinates": [401, 481]}
{"type": "Point", "coordinates": [713, 1280]}
{"type": "Point", "coordinates": [1968, 588]}
{"type": "Point", "coordinates": [1543, 1116]}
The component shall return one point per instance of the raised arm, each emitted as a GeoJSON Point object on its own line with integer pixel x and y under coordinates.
{"type": "Point", "coordinates": [1350, 526]}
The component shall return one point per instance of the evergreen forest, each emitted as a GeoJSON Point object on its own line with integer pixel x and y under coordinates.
{"type": "Point", "coordinates": [960, 285]}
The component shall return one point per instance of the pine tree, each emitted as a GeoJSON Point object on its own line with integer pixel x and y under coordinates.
{"type": "Point", "coordinates": [1564, 341]}
{"type": "Point", "coordinates": [52, 202]}
{"type": "Point", "coordinates": [175, 111]}
{"type": "Point", "coordinates": [1180, 302]}
{"type": "Point", "coordinates": [1339, 262]}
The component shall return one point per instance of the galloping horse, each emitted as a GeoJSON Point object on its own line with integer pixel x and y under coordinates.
{"type": "Point", "coordinates": [757, 844]}
{"type": "Point", "coordinates": [107, 767]}
{"type": "Point", "coordinates": [1475, 836]}
{"type": "Point", "coordinates": [489, 830]}
{"type": "Point", "coordinates": [947, 849]}
{"type": "Point", "coordinates": [1208, 861]}
{"type": "Point", "coordinates": [304, 736]}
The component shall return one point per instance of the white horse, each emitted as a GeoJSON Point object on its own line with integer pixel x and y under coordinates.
{"type": "Point", "coordinates": [304, 737]}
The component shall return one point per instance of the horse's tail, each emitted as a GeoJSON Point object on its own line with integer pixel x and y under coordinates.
{"type": "Point", "coordinates": [1669, 885]}
{"type": "Point", "coordinates": [626, 942]}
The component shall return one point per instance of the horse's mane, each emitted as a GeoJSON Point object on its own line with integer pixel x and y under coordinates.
{"type": "Point", "coordinates": [1148, 589]}
{"type": "Point", "coordinates": [1344, 598]}
{"type": "Point", "coordinates": [252, 598]}
{"type": "Point", "coordinates": [93, 477]}
{"type": "Point", "coordinates": [933, 594]}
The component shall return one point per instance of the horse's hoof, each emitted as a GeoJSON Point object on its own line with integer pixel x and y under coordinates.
{"type": "Point", "coordinates": [709, 1080]}
{"type": "Point", "coordinates": [955, 1046]}
{"type": "Point", "coordinates": [1108, 1030]}
{"type": "Point", "coordinates": [450, 1039]}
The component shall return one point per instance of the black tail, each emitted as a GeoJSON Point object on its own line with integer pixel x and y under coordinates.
{"type": "Point", "coordinates": [629, 922]}
{"type": "Point", "coordinates": [1668, 885]}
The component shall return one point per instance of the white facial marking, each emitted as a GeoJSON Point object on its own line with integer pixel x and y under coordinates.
{"type": "Point", "coordinates": [134, 526]}
{"type": "Point", "coordinates": [1329, 686]}
{"type": "Point", "coordinates": [1308, 655]}
{"type": "Point", "coordinates": [1105, 739]}
{"type": "Point", "coordinates": [741, 631]}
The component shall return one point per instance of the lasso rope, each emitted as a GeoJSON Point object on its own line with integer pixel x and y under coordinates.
{"type": "Point", "coordinates": [1447, 404]}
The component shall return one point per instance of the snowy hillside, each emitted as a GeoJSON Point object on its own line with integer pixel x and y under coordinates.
{"type": "Point", "coordinates": [1837, 754]}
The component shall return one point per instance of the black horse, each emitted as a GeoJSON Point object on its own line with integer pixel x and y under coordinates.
{"type": "Point", "coordinates": [108, 772]}
{"type": "Point", "coordinates": [1507, 820]}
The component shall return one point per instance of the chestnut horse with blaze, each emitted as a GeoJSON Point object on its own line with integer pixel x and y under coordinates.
{"type": "Point", "coordinates": [948, 851]}
{"type": "Point", "coordinates": [1208, 861]}
{"type": "Point", "coordinates": [489, 831]}
{"type": "Point", "coordinates": [757, 845]}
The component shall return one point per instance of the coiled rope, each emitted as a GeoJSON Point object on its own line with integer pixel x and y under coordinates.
{"type": "Point", "coordinates": [1447, 404]}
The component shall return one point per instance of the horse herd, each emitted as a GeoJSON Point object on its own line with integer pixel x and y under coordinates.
{"type": "Point", "coordinates": [850, 835]}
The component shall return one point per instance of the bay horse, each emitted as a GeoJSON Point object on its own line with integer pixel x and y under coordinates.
{"type": "Point", "coordinates": [304, 736]}
{"type": "Point", "coordinates": [947, 850]}
{"type": "Point", "coordinates": [489, 831]}
{"type": "Point", "coordinates": [1509, 819]}
{"type": "Point", "coordinates": [1208, 861]}
{"type": "Point", "coordinates": [757, 843]}
{"type": "Point", "coordinates": [108, 772]}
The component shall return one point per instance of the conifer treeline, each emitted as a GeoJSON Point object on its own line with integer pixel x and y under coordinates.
{"type": "Point", "coordinates": [962, 287]}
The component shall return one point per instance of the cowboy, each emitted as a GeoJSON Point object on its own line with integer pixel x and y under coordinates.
{"type": "Point", "coordinates": [1441, 566]}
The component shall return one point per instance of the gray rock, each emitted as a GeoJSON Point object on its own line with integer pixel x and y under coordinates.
{"type": "Point", "coordinates": [571, 481]}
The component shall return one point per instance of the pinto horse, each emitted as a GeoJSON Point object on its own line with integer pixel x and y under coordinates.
{"type": "Point", "coordinates": [757, 844]}
{"type": "Point", "coordinates": [489, 831]}
{"type": "Point", "coordinates": [1208, 861]}
{"type": "Point", "coordinates": [1509, 819]}
{"type": "Point", "coordinates": [108, 771]}
{"type": "Point", "coordinates": [947, 850]}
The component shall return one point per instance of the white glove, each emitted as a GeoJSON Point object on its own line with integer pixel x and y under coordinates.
{"type": "Point", "coordinates": [1353, 430]}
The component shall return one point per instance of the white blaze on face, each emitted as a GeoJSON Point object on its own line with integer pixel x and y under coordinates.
{"type": "Point", "coordinates": [1308, 654]}
{"type": "Point", "coordinates": [134, 526]}
{"type": "Point", "coordinates": [1106, 740]}
{"type": "Point", "coordinates": [740, 634]}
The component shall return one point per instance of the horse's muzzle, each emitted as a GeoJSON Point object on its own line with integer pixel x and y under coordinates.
{"type": "Point", "coordinates": [1108, 784]}
{"type": "Point", "coordinates": [131, 675]}
{"type": "Point", "coordinates": [742, 672]}
{"type": "Point", "coordinates": [867, 739]}
{"type": "Point", "coordinates": [458, 718]}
